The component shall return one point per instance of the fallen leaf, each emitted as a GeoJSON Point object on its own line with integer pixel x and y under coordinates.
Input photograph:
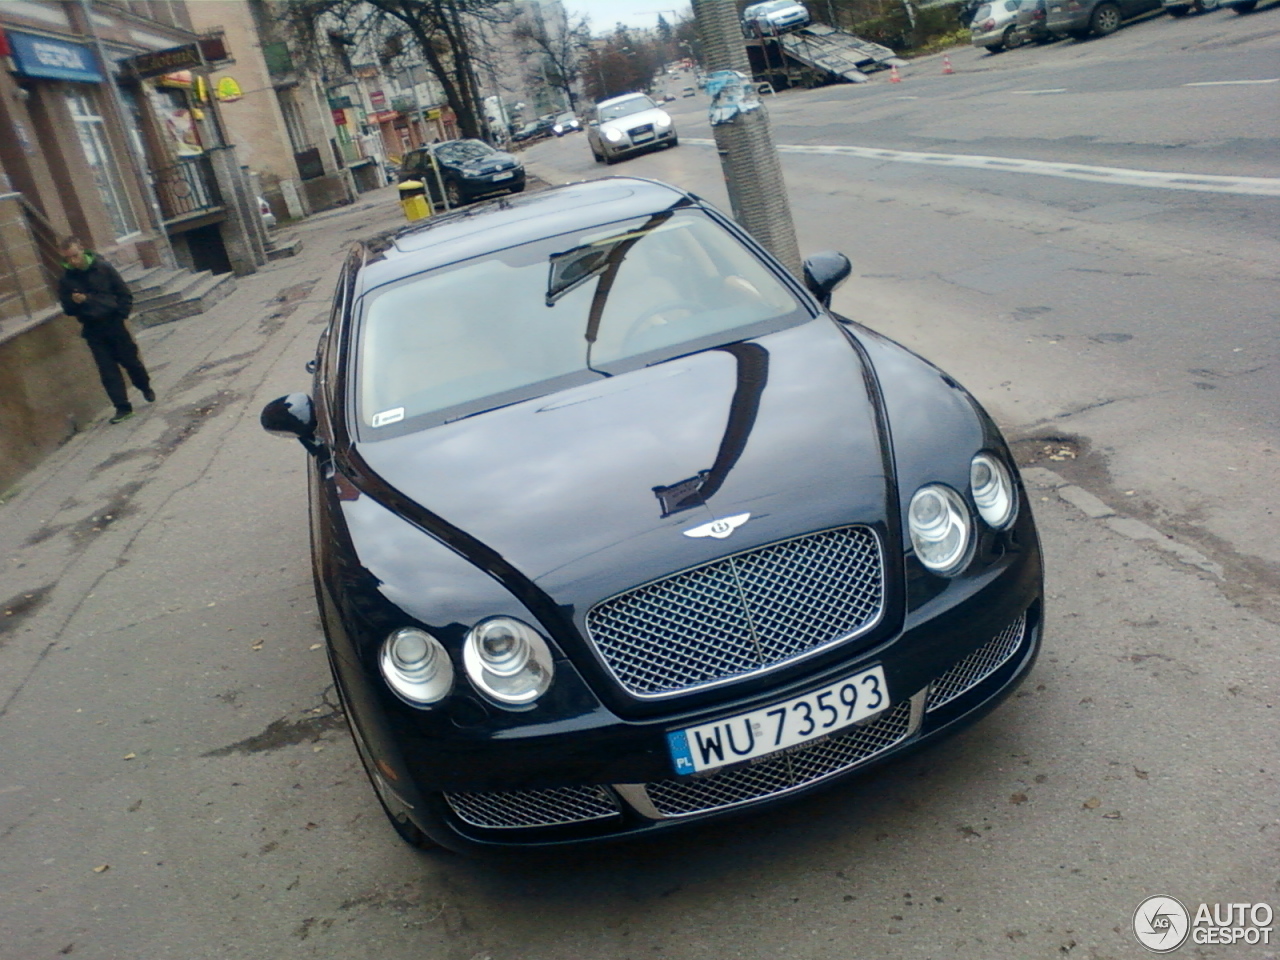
{"type": "Point", "coordinates": [1092, 803]}
{"type": "Point", "coordinates": [1113, 815]}
{"type": "Point", "coordinates": [130, 756]}
{"type": "Point", "coordinates": [1140, 774]}
{"type": "Point", "coordinates": [257, 645]}
{"type": "Point", "coordinates": [314, 646]}
{"type": "Point", "coordinates": [102, 869]}
{"type": "Point", "coordinates": [1018, 797]}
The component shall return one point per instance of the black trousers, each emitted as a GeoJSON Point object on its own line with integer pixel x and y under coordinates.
{"type": "Point", "coordinates": [112, 349]}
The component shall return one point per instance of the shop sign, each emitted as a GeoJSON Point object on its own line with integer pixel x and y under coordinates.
{"type": "Point", "coordinates": [228, 90]}
{"type": "Point", "coordinates": [36, 56]}
{"type": "Point", "coordinates": [384, 116]}
{"type": "Point", "coordinates": [378, 100]}
{"type": "Point", "coordinates": [340, 118]}
{"type": "Point", "coordinates": [160, 62]}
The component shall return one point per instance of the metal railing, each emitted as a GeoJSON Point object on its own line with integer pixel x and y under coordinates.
{"type": "Point", "coordinates": [186, 188]}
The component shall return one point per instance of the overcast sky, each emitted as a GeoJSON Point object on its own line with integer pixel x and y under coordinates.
{"type": "Point", "coordinates": [634, 13]}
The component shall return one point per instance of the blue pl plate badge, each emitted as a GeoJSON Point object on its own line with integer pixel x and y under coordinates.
{"type": "Point", "coordinates": [678, 743]}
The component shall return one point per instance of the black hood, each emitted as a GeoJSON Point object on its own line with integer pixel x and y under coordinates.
{"type": "Point", "coordinates": [587, 491]}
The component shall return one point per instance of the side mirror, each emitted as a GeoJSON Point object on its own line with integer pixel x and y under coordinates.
{"type": "Point", "coordinates": [292, 416]}
{"type": "Point", "coordinates": [825, 271]}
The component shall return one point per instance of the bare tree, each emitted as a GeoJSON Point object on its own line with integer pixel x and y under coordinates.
{"type": "Point", "coordinates": [438, 29]}
{"type": "Point", "coordinates": [559, 50]}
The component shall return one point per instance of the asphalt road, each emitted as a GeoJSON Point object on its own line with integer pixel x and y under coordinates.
{"type": "Point", "coordinates": [176, 783]}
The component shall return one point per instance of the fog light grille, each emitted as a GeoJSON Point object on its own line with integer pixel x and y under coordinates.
{"type": "Point", "coordinates": [512, 809]}
{"type": "Point", "coordinates": [977, 666]}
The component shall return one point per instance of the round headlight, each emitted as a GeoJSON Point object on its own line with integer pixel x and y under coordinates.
{"type": "Point", "coordinates": [557, 129]}
{"type": "Point", "coordinates": [993, 492]}
{"type": "Point", "coordinates": [416, 667]}
{"type": "Point", "coordinates": [508, 661]}
{"type": "Point", "coordinates": [939, 526]}
{"type": "Point", "coordinates": [612, 135]}
{"type": "Point", "coordinates": [662, 121]}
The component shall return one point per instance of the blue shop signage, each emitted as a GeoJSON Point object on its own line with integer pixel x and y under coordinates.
{"type": "Point", "coordinates": [36, 56]}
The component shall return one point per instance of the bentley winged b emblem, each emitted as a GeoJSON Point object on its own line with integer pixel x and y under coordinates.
{"type": "Point", "coordinates": [718, 528]}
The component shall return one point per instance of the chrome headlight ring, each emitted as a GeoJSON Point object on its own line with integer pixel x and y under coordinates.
{"type": "Point", "coordinates": [416, 667]}
{"type": "Point", "coordinates": [994, 493]}
{"type": "Point", "coordinates": [940, 528]}
{"type": "Point", "coordinates": [508, 661]}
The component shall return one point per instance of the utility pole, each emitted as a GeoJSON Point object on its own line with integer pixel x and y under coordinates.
{"type": "Point", "coordinates": [752, 171]}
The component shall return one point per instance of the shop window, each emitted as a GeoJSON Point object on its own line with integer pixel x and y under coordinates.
{"type": "Point", "coordinates": [106, 172]}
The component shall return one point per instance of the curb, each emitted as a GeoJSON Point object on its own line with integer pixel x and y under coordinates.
{"type": "Point", "coordinates": [1136, 530]}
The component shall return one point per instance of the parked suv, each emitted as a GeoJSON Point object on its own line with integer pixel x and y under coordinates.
{"type": "Point", "coordinates": [1080, 18]}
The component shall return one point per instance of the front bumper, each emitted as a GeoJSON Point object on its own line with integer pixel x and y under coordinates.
{"type": "Point", "coordinates": [488, 184]}
{"type": "Point", "coordinates": [629, 145]}
{"type": "Point", "coordinates": [598, 777]}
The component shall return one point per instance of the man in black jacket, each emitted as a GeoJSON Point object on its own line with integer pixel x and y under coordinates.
{"type": "Point", "coordinates": [92, 291]}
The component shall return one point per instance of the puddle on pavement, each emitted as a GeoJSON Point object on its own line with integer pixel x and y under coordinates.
{"type": "Point", "coordinates": [19, 608]}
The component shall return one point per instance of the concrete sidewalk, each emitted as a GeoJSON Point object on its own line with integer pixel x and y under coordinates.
{"type": "Point", "coordinates": [52, 520]}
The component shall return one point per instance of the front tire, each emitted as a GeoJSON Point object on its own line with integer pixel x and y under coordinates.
{"type": "Point", "coordinates": [1011, 40]}
{"type": "Point", "coordinates": [1105, 19]}
{"type": "Point", "coordinates": [1206, 6]}
{"type": "Point", "coordinates": [673, 142]}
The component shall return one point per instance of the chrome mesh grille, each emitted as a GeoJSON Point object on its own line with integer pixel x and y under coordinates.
{"type": "Point", "coordinates": [784, 772]}
{"type": "Point", "coordinates": [978, 665]}
{"type": "Point", "coordinates": [742, 613]}
{"type": "Point", "coordinates": [533, 808]}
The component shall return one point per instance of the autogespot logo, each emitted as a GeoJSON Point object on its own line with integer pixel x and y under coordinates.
{"type": "Point", "coordinates": [1161, 924]}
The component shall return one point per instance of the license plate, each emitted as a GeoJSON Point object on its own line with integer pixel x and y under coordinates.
{"type": "Point", "coordinates": [770, 729]}
{"type": "Point", "coordinates": [504, 176]}
{"type": "Point", "coordinates": [645, 139]}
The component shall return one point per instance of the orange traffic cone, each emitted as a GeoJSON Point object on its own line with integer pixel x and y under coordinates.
{"type": "Point", "coordinates": [946, 64]}
{"type": "Point", "coordinates": [893, 74]}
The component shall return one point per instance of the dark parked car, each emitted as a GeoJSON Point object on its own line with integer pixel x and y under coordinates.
{"type": "Point", "coordinates": [629, 531]}
{"type": "Point", "coordinates": [1180, 8]}
{"type": "Point", "coordinates": [529, 131]}
{"type": "Point", "coordinates": [469, 169]}
{"type": "Point", "coordinates": [1080, 18]}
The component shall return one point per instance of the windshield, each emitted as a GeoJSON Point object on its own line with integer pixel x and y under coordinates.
{"type": "Point", "coordinates": [626, 108]}
{"type": "Point", "coordinates": [445, 342]}
{"type": "Point", "coordinates": [778, 5]}
{"type": "Point", "coordinates": [460, 151]}
{"type": "Point", "coordinates": [565, 118]}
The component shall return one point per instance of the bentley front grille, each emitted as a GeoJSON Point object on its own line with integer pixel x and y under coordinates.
{"type": "Point", "coordinates": [784, 772]}
{"type": "Point", "coordinates": [512, 809]}
{"type": "Point", "coordinates": [977, 666]}
{"type": "Point", "coordinates": [741, 614]}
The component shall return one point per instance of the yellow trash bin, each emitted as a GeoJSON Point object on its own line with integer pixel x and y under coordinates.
{"type": "Point", "coordinates": [413, 200]}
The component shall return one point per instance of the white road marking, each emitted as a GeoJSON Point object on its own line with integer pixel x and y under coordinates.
{"type": "Point", "coordinates": [1036, 93]}
{"type": "Point", "coordinates": [1155, 179]}
{"type": "Point", "coordinates": [1229, 83]}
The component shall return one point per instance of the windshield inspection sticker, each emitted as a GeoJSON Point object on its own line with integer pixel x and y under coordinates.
{"type": "Point", "coordinates": [388, 416]}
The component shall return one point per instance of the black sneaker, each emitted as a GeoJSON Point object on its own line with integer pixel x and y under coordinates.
{"type": "Point", "coordinates": [149, 395]}
{"type": "Point", "coordinates": [121, 415]}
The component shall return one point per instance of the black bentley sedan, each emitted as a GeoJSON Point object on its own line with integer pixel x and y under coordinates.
{"type": "Point", "coordinates": [465, 170]}
{"type": "Point", "coordinates": [616, 527]}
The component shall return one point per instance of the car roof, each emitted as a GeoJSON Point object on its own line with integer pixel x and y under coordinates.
{"type": "Point", "coordinates": [510, 221]}
{"type": "Point", "coordinates": [625, 96]}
